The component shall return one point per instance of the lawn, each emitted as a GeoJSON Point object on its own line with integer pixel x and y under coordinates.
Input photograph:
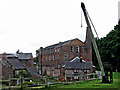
{"type": "Point", "coordinates": [96, 83]}
{"type": "Point", "coordinates": [92, 84]}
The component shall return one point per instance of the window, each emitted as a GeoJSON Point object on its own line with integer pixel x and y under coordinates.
{"type": "Point", "coordinates": [58, 56]}
{"type": "Point", "coordinates": [74, 70]}
{"type": "Point", "coordinates": [50, 51]}
{"type": "Point", "coordinates": [72, 49]}
{"type": "Point", "coordinates": [49, 57]}
{"type": "Point", "coordinates": [58, 49]}
{"type": "Point", "coordinates": [88, 71]}
{"type": "Point", "coordinates": [26, 61]}
{"type": "Point", "coordinates": [74, 77]}
{"type": "Point", "coordinates": [55, 50]}
{"type": "Point", "coordinates": [69, 57]}
{"type": "Point", "coordinates": [53, 57]}
{"type": "Point", "coordinates": [77, 70]}
{"type": "Point", "coordinates": [58, 67]}
{"type": "Point", "coordinates": [65, 57]}
{"type": "Point", "coordinates": [17, 72]}
{"type": "Point", "coordinates": [77, 49]}
{"type": "Point", "coordinates": [39, 71]}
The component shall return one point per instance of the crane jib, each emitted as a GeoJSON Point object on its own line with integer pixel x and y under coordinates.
{"type": "Point", "coordinates": [92, 39]}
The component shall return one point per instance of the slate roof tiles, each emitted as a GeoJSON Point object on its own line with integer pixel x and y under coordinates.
{"type": "Point", "coordinates": [25, 56]}
{"type": "Point", "coordinates": [60, 44]}
{"type": "Point", "coordinates": [76, 64]}
{"type": "Point", "coordinates": [16, 64]}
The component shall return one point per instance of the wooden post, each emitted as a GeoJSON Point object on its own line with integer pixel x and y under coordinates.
{"type": "Point", "coordinates": [87, 76]}
{"type": "Point", "coordinates": [9, 81]}
{"type": "Point", "coordinates": [93, 75]}
{"type": "Point", "coordinates": [21, 81]}
{"type": "Point", "coordinates": [71, 78]}
{"type": "Point", "coordinates": [79, 77]}
{"type": "Point", "coordinates": [46, 81]}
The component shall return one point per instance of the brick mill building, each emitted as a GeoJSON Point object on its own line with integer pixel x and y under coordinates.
{"type": "Point", "coordinates": [52, 58]}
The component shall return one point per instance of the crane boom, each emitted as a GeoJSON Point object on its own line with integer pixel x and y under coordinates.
{"type": "Point", "coordinates": [93, 40]}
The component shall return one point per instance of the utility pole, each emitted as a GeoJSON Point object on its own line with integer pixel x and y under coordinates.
{"type": "Point", "coordinates": [41, 52]}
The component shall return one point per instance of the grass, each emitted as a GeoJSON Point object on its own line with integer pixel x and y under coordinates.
{"type": "Point", "coordinates": [96, 83]}
{"type": "Point", "coordinates": [92, 84]}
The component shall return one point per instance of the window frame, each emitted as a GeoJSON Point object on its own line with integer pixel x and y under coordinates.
{"type": "Point", "coordinates": [71, 49]}
{"type": "Point", "coordinates": [77, 49]}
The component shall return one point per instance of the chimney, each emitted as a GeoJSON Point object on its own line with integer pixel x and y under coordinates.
{"type": "Point", "coordinates": [88, 46]}
{"type": "Point", "coordinates": [81, 59]}
{"type": "Point", "coordinates": [4, 56]}
{"type": "Point", "coordinates": [88, 40]}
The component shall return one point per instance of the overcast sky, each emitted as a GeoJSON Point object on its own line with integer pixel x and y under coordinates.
{"type": "Point", "coordinates": [29, 24]}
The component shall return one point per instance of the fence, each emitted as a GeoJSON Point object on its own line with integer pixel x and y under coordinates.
{"type": "Point", "coordinates": [10, 81]}
{"type": "Point", "coordinates": [47, 81]}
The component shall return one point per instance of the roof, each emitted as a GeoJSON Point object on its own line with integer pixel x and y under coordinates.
{"type": "Point", "coordinates": [76, 64]}
{"type": "Point", "coordinates": [60, 44]}
{"type": "Point", "coordinates": [0, 55]}
{"type": "Point", "coordinates": [11, 56]}
{"type": "Point", "coordinates": [26, 56]}
{"type": "Point", "coordinates": [31, 71]}
{"type": "Point", "coordinates": [16, 64]}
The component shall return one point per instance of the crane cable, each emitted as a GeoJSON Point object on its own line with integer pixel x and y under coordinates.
{"type": "Point", "coordinates": [81, 20]}
{"type": "Point", "coordinates": [92, 24]}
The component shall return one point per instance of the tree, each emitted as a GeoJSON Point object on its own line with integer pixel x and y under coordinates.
{"type": "Point", "coordinates": [22, 73]}
{"type": "Point", "coordinates": [109, 48]}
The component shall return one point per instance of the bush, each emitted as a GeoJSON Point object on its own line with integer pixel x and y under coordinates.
{"type": "Point", "coordinates": [4, 85]}
{"type": "Point", "coordinates": [27, 83]}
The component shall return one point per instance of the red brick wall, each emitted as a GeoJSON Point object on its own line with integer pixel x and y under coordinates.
{"type": "Point", "coordinates": [65, 50]}
{"type": "Point", "coordinates": [39, 59]}
{"type": "Point", "coordinates": [7, 70]}
{"type": "Point", "coordinates": [28, 63]}
{"type": "Point", "coordinates": [31, 62]}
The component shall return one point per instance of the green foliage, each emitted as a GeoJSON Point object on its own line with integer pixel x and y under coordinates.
{"type": "Point", "coordinates": [36, 59]}
{"type": "Point", "coordinates": [22, 73]}
{"type": "Point", "coordinates": [36, 80]}
{"type": "Point", "coordinates": [109, 48]}
{"type": "Point", "coordinates": [27, 83]}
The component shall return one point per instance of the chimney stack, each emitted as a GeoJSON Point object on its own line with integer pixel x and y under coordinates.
{"type": "Point", "coordinates": [81, 59]}
{"type": "Point", "coordinates": [4, 56]}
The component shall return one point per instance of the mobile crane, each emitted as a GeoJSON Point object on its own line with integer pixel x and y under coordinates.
{"type": "Point", "coordinates": [87, 18]}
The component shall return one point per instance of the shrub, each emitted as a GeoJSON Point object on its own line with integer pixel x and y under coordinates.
{"type": "Point", "coordinates": [27, 83]}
